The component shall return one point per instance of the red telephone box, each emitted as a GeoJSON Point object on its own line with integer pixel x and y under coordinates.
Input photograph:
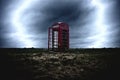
{"type": "Point", "coordinates": [58, 37]}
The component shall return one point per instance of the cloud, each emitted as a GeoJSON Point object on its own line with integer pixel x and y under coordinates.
{"type": "Point", "coordinates": [72, 12]}
{"type": "Point", "coordinates": [88, 26]}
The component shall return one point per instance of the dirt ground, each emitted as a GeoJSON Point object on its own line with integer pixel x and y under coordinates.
{"type": "Point", "coordinates": [79, 65]}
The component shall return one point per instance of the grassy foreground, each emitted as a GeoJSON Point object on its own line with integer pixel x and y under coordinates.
{"type": "Point", "coordinates": [76, 64]}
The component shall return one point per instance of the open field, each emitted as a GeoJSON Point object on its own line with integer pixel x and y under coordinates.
{"type": "Point", "coordinates": [76, 64]}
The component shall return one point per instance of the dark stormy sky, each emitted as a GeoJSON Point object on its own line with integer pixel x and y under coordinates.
{"type": "Point", "coordinates": [92, 23]}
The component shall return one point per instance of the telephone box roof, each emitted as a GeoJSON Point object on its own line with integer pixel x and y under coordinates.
{"type": "Point", "coordinates": [60, 25]}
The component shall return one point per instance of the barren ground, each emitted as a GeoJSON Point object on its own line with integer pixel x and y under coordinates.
{"type": "Point", "coordinates": [101, 64]}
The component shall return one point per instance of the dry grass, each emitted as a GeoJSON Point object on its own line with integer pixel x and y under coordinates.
{"type": "Point", "coordinates": [64, 66]}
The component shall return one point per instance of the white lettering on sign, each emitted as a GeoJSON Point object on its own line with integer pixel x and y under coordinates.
{"type": "Point", "coordinates": [56, 26]}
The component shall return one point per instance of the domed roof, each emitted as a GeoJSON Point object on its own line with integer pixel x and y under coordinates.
{"type": "Point", "coordinates": [61, 25]}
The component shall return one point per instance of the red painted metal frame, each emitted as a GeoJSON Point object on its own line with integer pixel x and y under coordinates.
{"type": "Point", "coordinates": [61, 26]}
